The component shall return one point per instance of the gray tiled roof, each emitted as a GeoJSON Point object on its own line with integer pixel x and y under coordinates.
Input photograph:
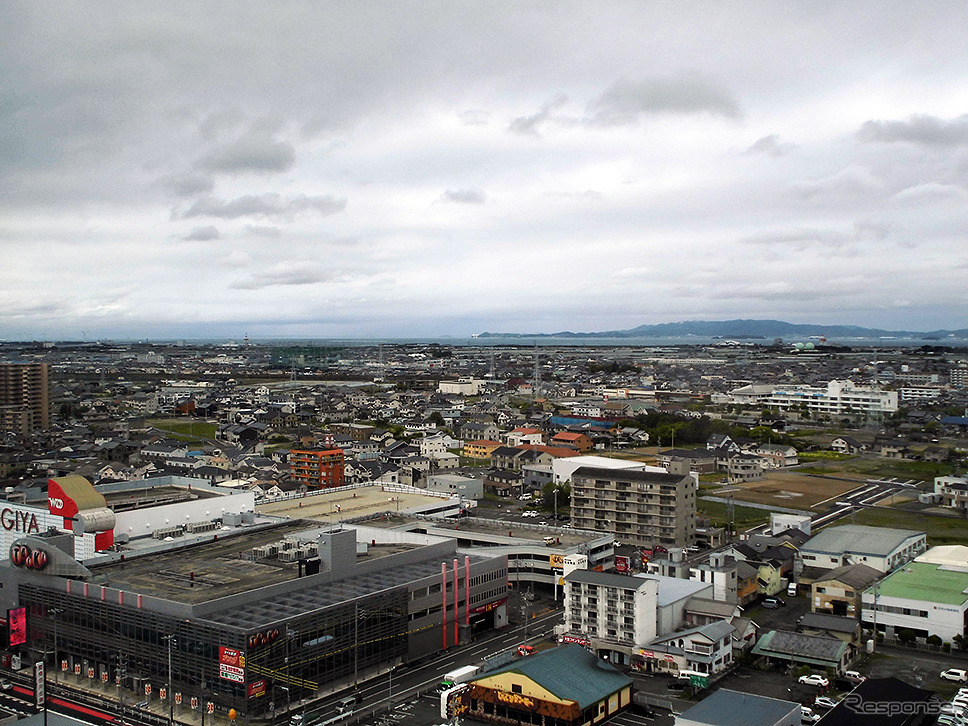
{"type": "Point", "coordinates": [732, 708]}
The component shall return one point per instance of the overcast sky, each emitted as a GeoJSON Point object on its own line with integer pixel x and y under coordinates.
{"type": "Point", "coordinates": [400, 169]}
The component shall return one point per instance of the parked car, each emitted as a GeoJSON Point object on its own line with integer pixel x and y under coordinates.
{"type": "Point", "coordinates": [824, 702]}
{"type": "Point", "coordinates": [772, 603]}
{"type": "Point", "coordinates": [808, 716]}
{"type": "Point", "coordinates": [955, 674]}
{"type": "Point", "coordinates": [854, 676]}
{"type": "Point", "coordinates": [5, 685]}
{"type": "Point", "coordinates": [814, 679]}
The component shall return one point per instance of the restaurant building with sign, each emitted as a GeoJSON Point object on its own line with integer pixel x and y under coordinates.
{"type": "Point", "coordinates": [563, 686]}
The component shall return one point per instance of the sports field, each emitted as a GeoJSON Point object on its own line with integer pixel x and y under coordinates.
{"type": "Point", "coordinates": [788, 489]}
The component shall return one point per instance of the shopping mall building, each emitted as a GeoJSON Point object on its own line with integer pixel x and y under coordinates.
{"type": "Point", "coordinates": [259, 607]}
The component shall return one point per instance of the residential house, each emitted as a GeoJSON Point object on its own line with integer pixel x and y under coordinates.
{"type": "Point", "coordinates": [839, 591]}
{"type": "Point", "coordinates": [577, 441]}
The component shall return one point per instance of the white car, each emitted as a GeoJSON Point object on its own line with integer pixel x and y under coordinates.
{"type": "Point", "coordinates": [814, 680]}
{"type": "Point", "coordinates": [854, 676]}
{"type": "Point", "coordinates": [955, 674]}
{"type": "Point", "coordinates": [824, 702]}
{"type": "Point", "coordinates": [808, 716]}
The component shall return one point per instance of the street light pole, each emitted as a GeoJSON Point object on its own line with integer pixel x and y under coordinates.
{"type": "Point", "coordinates": [171, 696]}
{"type": "Point", "coordinates": [55, 612]}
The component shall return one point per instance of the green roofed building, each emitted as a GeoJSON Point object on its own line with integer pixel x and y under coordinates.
{"type": "Point", "coordinates": [928, 596]}
{"type": "Point", "coordinates": [563, 686]}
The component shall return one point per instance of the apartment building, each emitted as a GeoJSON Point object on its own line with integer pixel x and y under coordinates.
{"type": "Point", "coordinates": [642, 507]}
{"type": "Point", "coordinates": [317, 469]}
{"type": "Point", "coordinates": [836, 398]}
{"type": "Point", "coordinates": [615, 614]}
{"type": "Point", "coordinates": [24, 397]}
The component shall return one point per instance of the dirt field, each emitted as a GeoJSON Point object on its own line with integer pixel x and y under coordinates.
{"type": "Point", "coordinates": [786, 489]}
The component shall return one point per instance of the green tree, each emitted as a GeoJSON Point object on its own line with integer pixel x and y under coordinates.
{"type": "Point", "coordinates": [548, 496]}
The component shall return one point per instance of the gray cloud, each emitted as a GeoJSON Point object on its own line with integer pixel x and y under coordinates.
{"type": "Point", "coordinates": [625, 101]}
{"type": "Point", "coordinates": [188, 184]}
{"type": "Point", "coordinates": [264, 205]}
{"type": "Point", "coordinates": [769, 145]}
{"type": "Point", "coordinates": [800, 238]}
{"type": "Point", "coordinates": [849, 182]}
{"type": "Point", "coordinates": [931, 192]}
{"type": "Point", "coordinates": [202, 234]}
{"type": "Point", "coordinates": [281, 275]}
{"type": "Point", "coordinates": [589, 195]}
{"type": "Point", "coordinates": [250, 154]}
{"type": "Point", "coordinates": [258, 230]}
{"type": "Point", "coordinates": [918, 129]}
{"type": "Point", "coordinates": [464, 196]}
{"type": "Point", "coordinates": [474, 116]}
{"type": "Point", "coordinates": [528, 125]}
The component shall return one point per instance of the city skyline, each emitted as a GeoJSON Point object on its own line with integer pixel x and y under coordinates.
{"type": "Point", "coordinates": [440, 169]}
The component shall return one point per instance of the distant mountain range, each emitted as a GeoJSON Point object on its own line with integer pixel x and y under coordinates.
{"type": "Point", "coordinates": [743, 329]}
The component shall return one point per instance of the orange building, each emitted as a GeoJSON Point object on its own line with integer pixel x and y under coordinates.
{"type": "Point", "coordinates": [317, 469]}
{"type": "Point", "coordinates": [567, 438]}
{"type": "Point", "coordinates": [480, 449]}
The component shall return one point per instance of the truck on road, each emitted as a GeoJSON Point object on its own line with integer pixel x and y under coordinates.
{"type": "Point", "coordinates": [457, 676]}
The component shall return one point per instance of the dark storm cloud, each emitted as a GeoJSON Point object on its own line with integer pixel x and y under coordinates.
{"type": "Point", "coordinates": [528, 125]}
{"type": "Point", "coordinates": [464, 196]}
{"type": "Point", "coordinates": [918, 129]}
{"type": "Point", "coordinates": [202, 234]}
{"type": "Point", "coordinates": [264, 205]}
{"type": "Point", "coordinates": [250, 154]}
{"type": "Point", "coordinates": [769, 146]}
{"type": "Point", "coordinates": [625, 101]}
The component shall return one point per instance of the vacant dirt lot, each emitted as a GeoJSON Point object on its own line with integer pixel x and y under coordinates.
{"type": "Point", "coordinates": [787, 489]}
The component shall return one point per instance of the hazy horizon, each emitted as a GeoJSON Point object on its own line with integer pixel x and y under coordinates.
{"type": "Point", "coordinates": [425, 169]}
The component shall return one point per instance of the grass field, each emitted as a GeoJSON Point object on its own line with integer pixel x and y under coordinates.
{"type": "Point", "coordinates": [746, 517]}
{"type": "Point", "coordinates": [940, 530]}
{"type": "Point", "coordinates": [183, 430]}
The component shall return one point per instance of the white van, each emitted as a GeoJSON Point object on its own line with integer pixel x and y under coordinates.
{"type": "Point", "coordinates": [792, 589]}
{"type": "Point", "coordinates": [686, 675]}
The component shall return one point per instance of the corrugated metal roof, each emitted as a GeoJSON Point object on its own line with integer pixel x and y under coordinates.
{"type": "Point", "coordinates": [571, 673]}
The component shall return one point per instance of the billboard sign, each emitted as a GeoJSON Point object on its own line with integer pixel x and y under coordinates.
{"type": "Point", "coordinates": [40, 684]}
{"type": "Point", "coordinates": [231, 664]}
{"type": "Point", "coordinates": [16, 626]}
